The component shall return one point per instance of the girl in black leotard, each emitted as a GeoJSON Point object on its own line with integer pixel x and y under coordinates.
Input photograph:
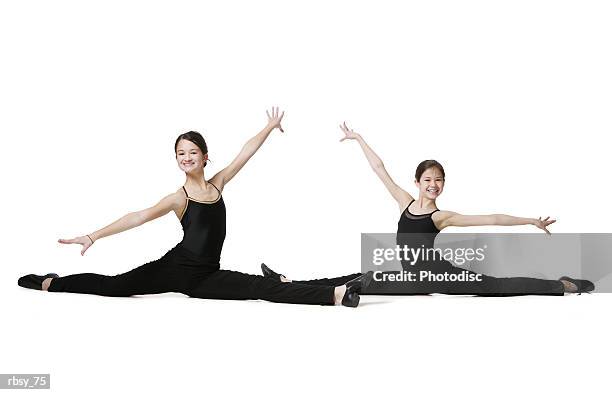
{"type": "Point", "coordinates": [192, 266]}
{"type": "Point", "coordinates": [421, 221]}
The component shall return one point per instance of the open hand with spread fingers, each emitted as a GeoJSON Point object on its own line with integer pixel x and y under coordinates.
{"type": "Point", "coordinates": [85, 241]}
{"type": "Point", "coordinates": [274, 120]}
{"type": "Point", "coordinates": [543, 223]}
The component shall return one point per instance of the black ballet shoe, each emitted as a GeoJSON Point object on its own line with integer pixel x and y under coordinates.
{"type": "Point", "coordinates": [362, 281]}
{"type": "Point", "coordinates": [33, 281]}
{"type": "Point", "coordinates": [581, 285]}
{"type": "Point", "coordinates": [354, 287]}
{"type": "Point", "coordinates": [267, 272]}
{"type": "Point", "coordinates": [351, 297]}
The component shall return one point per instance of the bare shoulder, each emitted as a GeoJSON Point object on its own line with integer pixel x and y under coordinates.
{"type": "Point", "coordinates": [180, 192]}
{"type": "Point", "coordinates": [443, 214]}
{"type": "Point", "coordinates": [440, 218]}
{"type": "Point", "coordinates": [178, 201]}
{"type": "Point", "coordinates": [177, 198]}
{"type": "Point", "coordinates": [166, 204]}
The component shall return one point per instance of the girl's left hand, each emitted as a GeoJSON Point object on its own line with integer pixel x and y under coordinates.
{"type": "Point", "coordinates": [543, 223]}
{"type": "Point", "coordinates": [274, 120]}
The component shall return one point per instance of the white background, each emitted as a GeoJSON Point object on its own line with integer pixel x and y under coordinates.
{"type": "Point", "coordinates": [512, 97]}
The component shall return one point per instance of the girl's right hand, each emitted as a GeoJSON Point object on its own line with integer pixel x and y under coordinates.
{"type": "Point", "coordinates": [85, 241]}
{"type": "Point", "coordinates": [348, 133]}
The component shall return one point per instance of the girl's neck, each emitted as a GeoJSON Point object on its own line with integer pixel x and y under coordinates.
{"type": "Point", "coordinates": [196, 179]}
{"type": "Point", "coordinates": [425, 203]}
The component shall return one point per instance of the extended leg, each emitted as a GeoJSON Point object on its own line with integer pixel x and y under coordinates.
{"type": "Point", "coordinates": [151, 278]}
{"type": "Point", "coordinates": [227, 284]}
{"type": "Point", "coordinates": [490, 286]}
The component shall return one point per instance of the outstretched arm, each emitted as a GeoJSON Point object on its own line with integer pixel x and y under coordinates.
{"type": "Point", "coordinates": [402, 197]}
{"type": "Point", "coordinates": [249, 149]}
{"type": "Point", "coordinates": [128, 221]}
{"type": "Point", "coordinates": [449, 218]}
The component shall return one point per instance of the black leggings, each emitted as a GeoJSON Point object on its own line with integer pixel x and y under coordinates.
{"type": "Point", "coordinates": [488, 286]}
{"type": "Point", "coordinates": [180, 271]}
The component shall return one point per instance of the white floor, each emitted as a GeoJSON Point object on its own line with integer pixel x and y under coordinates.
{"type": "Point", "coordinates": [434, 344]}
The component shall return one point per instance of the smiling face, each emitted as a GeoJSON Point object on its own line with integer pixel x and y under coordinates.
{"type": "Point", "coordinates": [431, 183]}
{"type": "Point", "coordinates": [189, 156]}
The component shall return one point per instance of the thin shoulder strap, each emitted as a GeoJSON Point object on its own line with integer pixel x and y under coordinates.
{"type": "Point", "coordinates": [215, 187]}
{"type": "Point", "coordinates": [185, 191]}
{"type": "Point", "coordinates": [406, 210]}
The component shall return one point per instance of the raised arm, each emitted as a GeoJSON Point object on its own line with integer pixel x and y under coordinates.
{"type": "Point", "coordinates": [448, 218]}
{"type": "Point", "coordinates": [402, 197]}
{"type": "Point", "coordinates": [129, 221]}
{"type": "Point", "coordinates": [249, 149]}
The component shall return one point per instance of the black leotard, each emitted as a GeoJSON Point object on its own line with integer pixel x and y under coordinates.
{"type": "Point", "coordinates": [416, 230]}
{"type": "Point", "coordinates": [204, 227]}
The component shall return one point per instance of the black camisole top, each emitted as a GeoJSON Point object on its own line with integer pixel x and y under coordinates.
{"type": "Point", "coordinates": [416, 230]}
{"type": "Point", "coordinates": [204, 227]}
